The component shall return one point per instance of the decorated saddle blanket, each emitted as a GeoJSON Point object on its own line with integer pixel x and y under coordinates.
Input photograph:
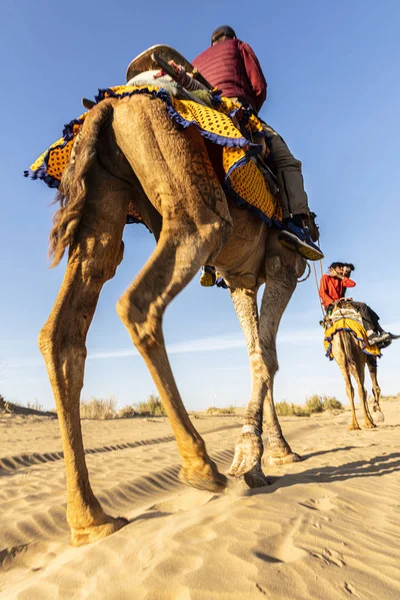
{"type": "Point", "coordinates": [356, 328]}
{"type": "Point", "coordinates": [243, 181]}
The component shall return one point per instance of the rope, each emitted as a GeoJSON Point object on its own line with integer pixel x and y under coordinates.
{"type": "Point", "coordinates": [307, 276]}
{"type": "Point", "coordinates": [316, 283]}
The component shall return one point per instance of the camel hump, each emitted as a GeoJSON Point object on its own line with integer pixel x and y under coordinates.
{"type": "Point", "coordinates": [146, 62]}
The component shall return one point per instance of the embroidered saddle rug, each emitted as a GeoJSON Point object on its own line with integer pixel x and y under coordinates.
{"type": "Point", "coordinates": [243, 180]}
{"type": "Point", "coordinates": [348, 320]}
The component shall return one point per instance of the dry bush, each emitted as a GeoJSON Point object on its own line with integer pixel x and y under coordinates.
{"type": "Point", "coordinates": [99, 408]}
{"type": "Point", "coordinates": [391, 398]}
{"type": "Point", "coordinates": [228, 410]}
{"type": "Point", "coordinates": [286, 409]}
{"type": "Point", "coordinates": [331, 403]}
{"type": "Point", "coordinates": [128, 412]}
{"type": "Point", "coordinates": [314, 404]}
{"type": "Point", "coordinates": [152, 407]}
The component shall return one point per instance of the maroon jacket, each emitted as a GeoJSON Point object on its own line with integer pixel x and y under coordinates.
{"type": "Point", "coordinates": [232, 67]}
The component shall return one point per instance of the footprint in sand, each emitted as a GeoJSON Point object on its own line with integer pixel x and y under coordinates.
{"type": "Point", "coordinates": [324, 504]}
{"type": "Point", "coordinates": [186, 501]}
{"type": "Point", "coordinates": [330, 557]}
{"type": "Point", "coordinates": [350, 589]}
{"type": "Point", "coordinates": [281, 549]}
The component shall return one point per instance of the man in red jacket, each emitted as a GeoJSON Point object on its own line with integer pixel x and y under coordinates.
{"type": "Point", "coordinates": [231, 66]}
{"type": "Point", "coordinates": [333, 287]}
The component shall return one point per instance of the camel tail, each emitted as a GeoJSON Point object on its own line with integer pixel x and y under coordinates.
{"type": "Point", "coordinates": [71, 194]}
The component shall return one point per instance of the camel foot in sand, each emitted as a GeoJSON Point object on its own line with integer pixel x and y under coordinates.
{"type": "Point", "coordinates": [208, 479]}
{"type": "Point", "coordinates": [88, 535]}
{"type": "Point", "coordinates": [248, 451]}
{"type": "Point", "coordinates": [354, 427]}
{"type": "Point", "coordinates": [379, 417]}
{"type": "Point", "coordinates": [255, 478]}
{"type": "Point", "coordinates": [286, 459]}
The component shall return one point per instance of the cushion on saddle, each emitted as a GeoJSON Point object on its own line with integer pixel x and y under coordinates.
{"type": "Point", "coordinates": [243, 181]}
{"type": "Point", "coordinates": [357, 330]}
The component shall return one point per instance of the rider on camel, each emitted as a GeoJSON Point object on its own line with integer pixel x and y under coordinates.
{"type": "Point", "coordinates": [231, 66]}
{"type": "Point", "coordinates": [333, 287]}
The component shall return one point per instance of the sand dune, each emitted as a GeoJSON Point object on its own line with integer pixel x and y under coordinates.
{"type": "Point", "coordinates": [327, 527]}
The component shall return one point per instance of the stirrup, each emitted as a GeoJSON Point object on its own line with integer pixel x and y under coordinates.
{"type": "Point", "coordinates": [292, 242]}
{"type": "Point", "coordinates": [207, 277]}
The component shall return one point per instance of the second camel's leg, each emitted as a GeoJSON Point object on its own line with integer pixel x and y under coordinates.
{"type": "Point", "coordinates": [376, 407]}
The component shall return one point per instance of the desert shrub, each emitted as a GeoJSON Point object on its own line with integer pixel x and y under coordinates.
{"type": "Point", "coordinates": [315, 404]}
{"type": "Point", "coordinates": [99, 408]}
{"type": "Point", "coordinates": [213, 410]}
{"type": "Point", "coordinates": [391, 398]}
{"type": "Point", "coordinates": [331, 403]}
{"type": "Point", "coordinates": [127, 412]}
{"type": "Point", "coordinates": [286, 409]}
{"type": "Point", "coordinates": [152, 407]}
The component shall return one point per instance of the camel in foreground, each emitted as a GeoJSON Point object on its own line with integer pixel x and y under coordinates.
{"type": "Point", "coordinates": [127, 150]}
{"type": "Point", "coordinates": [352, 361]}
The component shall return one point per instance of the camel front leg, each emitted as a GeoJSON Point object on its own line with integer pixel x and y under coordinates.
{"type": "Point", "coordinates": [282, 270]}
{"type": "Point", "coordinates": [92, 260]}
{"type": "Point", "coordinates": [354, 426]}
{"type": "Point", "coordinates": [249, 447]}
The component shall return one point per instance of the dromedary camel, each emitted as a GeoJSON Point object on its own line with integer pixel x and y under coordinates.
{"type": "Point", "coordinates": [352, 360]}
{"type": "Point", "coordinates": [130, 149]}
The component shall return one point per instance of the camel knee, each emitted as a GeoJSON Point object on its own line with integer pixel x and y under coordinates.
{"type": "Point", "coordinates": [101, 259]}
{"type": "Point", "coordinates": [144, 326]}
{"type": "Point", "coordinates": [284, 271]}
{"type": "Point", "coordinates": [45, 341]}
{"type": "Point", "coordinates": [58, 342]}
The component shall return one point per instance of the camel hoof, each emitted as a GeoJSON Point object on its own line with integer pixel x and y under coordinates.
{"type": "Point", "coordinates": [379, 417]}
{"type": "Point", "coordinates": [369, 425]}
{"type": "Point", "coordinates": [88, 535]}
{"type": "Point", "coordinates": [255, 478]}
{"type": "Point", "coordinates": [283, 460]}
{"type": "Point", "coordinates": [353, 427]}
{"type": "Point", "coordinates": [209, 481]}
{"type": "Point", "coordinates": [248, 451]}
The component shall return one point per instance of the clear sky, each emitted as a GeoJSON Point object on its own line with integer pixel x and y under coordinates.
{"type": "Point", "coordinates": [333, 75]}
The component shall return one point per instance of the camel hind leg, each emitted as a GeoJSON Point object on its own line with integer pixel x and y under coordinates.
{"type": "Point", "coordinates": [373, 371]}
{"type": "Point", "coordinates": [177, 178]}
{"type": "Point", "coordinates": [249, 447]}
{"type": "Point", "coordinates": [283, 267]}
{"type": "Point", "coordinates": [93, 259]}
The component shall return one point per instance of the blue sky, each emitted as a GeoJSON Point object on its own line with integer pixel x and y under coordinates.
{"type": "Point", "coordinates": [334, 89]}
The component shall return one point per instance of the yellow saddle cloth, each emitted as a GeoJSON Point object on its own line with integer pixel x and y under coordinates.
{"type": "Point", "coordinates": [356, 329]}
{"type": "Point", "coordinates": [244, 182]}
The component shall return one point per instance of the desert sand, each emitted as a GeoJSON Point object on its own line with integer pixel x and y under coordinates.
{"type": "Point", "coordinates": [325, 528]}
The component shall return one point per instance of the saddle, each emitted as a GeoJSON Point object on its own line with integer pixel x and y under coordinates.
{"type": "Point", "coordinates": [145, 66]}
{"type": "Point", "coordinates": [343, 309]}
{"type": "Point", "coordinates": [344, 317]}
